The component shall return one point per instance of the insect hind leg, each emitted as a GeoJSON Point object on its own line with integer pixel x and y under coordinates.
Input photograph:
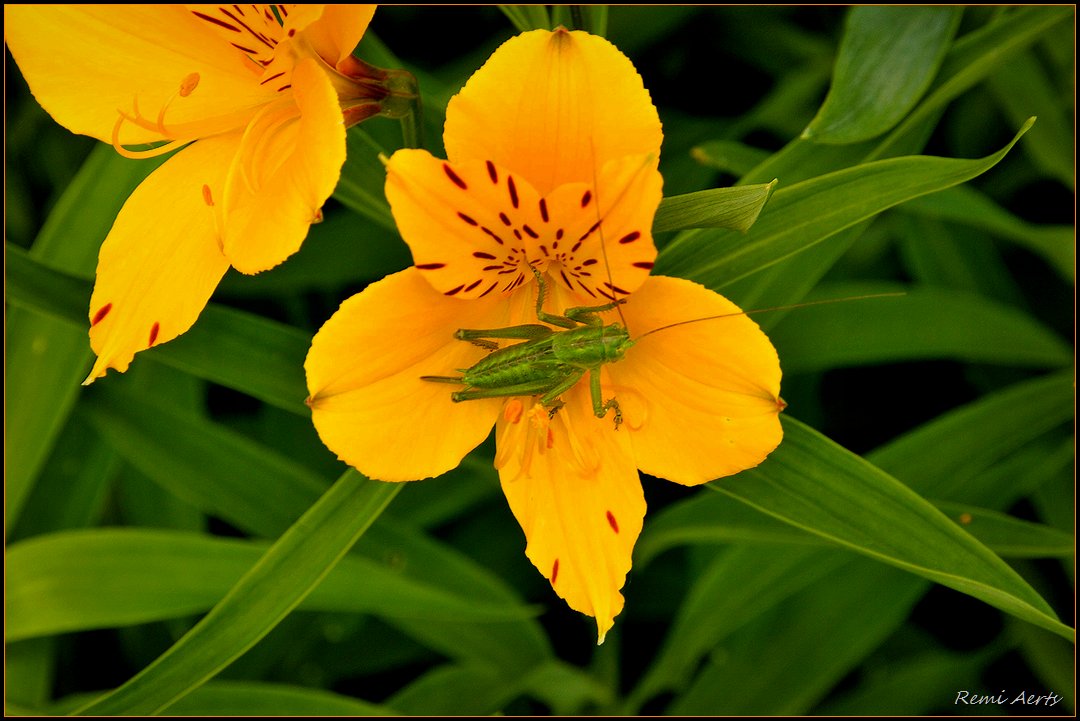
{"type": "Point", "coordinates": [600, 406]}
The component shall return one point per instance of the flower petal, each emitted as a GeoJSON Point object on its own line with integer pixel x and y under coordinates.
{"type": "Point", "coordinates": [701, 400]}
{"type": "Point", "coordinates": [368, 402]}
{"type": "Point", "coordinates": [553, 107]}
{"type": "Point", "coordinates": [337, 31]}
{"type": "Point", "coordinates": [285, 170]}
{"type": "Point", "coordinates": [465, 223]}
{"type": "Point", "coordinates": [88, 63]}
{"type": "Point", "coordinates": [572, 485]}
{"type": "Point", "coordinates": [473, 226]}
{"type": "Point", "coordinates": [161, 261]}
{"type": "Point", "coordinates": [609, 250]}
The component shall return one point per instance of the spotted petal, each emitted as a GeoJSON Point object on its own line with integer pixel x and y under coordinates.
{"type": "Point", "coordinates": [161, 260]}
{"type": "Point", "coordinates": [86, 64]}
{"type": "Point", "coordinates": [286, 168]}
{"type": "Point", "coordinates": [474, 227]}
{"type": "Point", "coordinates": [701, 400]}
{"type": "Point", "coordinates": [572, 485]}
{"type": "Point", "coordinates": [364, 371]}
{"type": "Point", "coordinates": [553, 107]}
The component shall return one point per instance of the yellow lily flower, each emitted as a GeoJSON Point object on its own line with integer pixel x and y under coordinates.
{"type": "Point", "coordinates": [266, 90]}
{"type": "Point", "coordinates": [552, 163]}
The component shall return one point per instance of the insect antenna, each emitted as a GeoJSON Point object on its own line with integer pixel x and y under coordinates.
{"type": "Point", "coordinates": [755, 311]}
{"type": "Point", "coordinates": [603, 245]}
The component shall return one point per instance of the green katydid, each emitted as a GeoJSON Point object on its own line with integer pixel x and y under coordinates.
{"type": "Point", "coordinates": [549, 362]}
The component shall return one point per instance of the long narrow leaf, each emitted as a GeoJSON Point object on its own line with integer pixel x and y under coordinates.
{"type": "Point", "coordinates": [800, 216]}
{"type": "Point", "coordinates": [925, 323]}
{"type": "Point", "coordinates": [281, 579]}
{"type": "Point", "coordinates": [888, 57]}
{"type": "Point", "coordinates": [816, 485]}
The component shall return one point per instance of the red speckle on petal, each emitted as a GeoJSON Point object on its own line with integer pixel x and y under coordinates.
{"type": "Point", "coordinates": [554, 571]}
{"type": "Point", "coordinates": [612, 522]}
{"type": "Point", "coordinates": [100, 315]}
{"type": "Point", "coordinates": [207, 196]}
{"type": "Point", "coordinates": [781, 404]}
{"type": "Point", "coordinates": [154, 333]}
{"type": "Point", "coordinates": [454, 177]}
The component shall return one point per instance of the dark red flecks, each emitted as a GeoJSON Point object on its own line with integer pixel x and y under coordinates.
{"type": "Point", "coordinates": [473, 285]}
{"type": "Point", "coordinates": [586, 199]}
{"type": "Point", "coordinates": [629, 238]}
{"type": "Point", "coordinates": [543, 210]}
{"type": "Point", "coordinates": [530, 232]}
{"type": "Point", "coordinates": [454, 177]}
{"type": "Point", "coordinates": [591, 230]}
{"type": "Point", "coordinates": [454, 291]}
{"type": "Point", "coordinates": [555, 570]}
{"type": "Point", "coordinates": [616, 289]}
{"type": "Point", "coordinates": [100, 315]}
{"type": "Point", "coordinates": [154, 332]}
{"type": "Point", "coordinates": [505, 219]}
{"type": "Point", "coordinates": [590, 261]}
{"type": "Point", "coordinates": [612, 522]}
{"type": "Point", "coordinates": [559, 234]}
{"type": "Point", "coordinates": [492, 173]}
{"type": "Point", "coordinates": [646, 264]}
{"type": "Point", "coordinates": [513, 190]}
{"type": "Point", "coordinates": [467, 219]}
{"type": "Point", "coordinates": [494, 237]}
{"type": "Point", "coordinates": [430, 266]}
{"type": "Point", "coordinates": [215, 21]}
{"type": "Point", "coordinates": [483, 255]}
{"type": "Point", "coordinates": [490, 288]}
{"type": "Point", "coordinates": [272, 77]}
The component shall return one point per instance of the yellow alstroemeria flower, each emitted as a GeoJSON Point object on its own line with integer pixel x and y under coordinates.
{"type": "Point", "coordinates": [553, 148]}
{"type": "Point", "coordinates": [266, 90]}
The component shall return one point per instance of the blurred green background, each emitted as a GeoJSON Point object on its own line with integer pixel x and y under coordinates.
{"type": "Point", "coordinates": [132, 506]}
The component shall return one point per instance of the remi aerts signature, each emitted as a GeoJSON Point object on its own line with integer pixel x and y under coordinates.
{"type": "Point", "coordinates": [1023, 698]}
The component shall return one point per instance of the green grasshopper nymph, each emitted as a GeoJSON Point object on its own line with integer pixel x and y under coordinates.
{"type": "Point", "coordinates": [549, 362]}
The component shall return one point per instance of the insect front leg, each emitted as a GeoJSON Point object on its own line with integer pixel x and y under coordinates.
{"type": "Point", "coordinates": [528, 331]}
{"type": "Point", "coordinates": [600, 407]}
{"type": "Point", "coordinates": [587, 315]}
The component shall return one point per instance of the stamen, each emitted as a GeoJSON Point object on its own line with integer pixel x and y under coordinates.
{"type": "Point", "coordinates": [188, 85]}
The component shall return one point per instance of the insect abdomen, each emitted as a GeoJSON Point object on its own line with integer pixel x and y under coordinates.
{"type": "Point", "coordinates": [521, 363]}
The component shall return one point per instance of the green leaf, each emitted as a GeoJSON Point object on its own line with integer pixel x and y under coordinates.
{"type": "Point", "coordinates": [280, 580]}
{"type": "Point", "coordinates": [947, 456]}
{"type": "Point", "coordinates": [45, 360]}
{"type": "Point", "coordinates": [57, 583]}
{"type": "Point", "coordinates": [888, 57]}
{"type": "Point", "coordinates": [734, 208]}
{"type": "Point", "coordinates": [222, 699]}
{"type": "Point", "coordinates": [360, 187]}
{"type": "Point", "coordinates": [239, 350]}
{"type": "Point", "coordinates": [925, 323]}
{"type": "Point", "coordinates": [825, 631]}
{"type": "Point", "coordinates": [1010, 537]}
{"type": "Point", "coordinates": [971, 60]}
{"type": "Point", "coordinates": [527, 17]}
{"type": "Point", "coordinates": [741, 584]}
{"type": "Point", "coordinates": [207, 464]}
{"type": "Point", "coordinates": [1022, 88]}
{"type": "Point", "coordinates": [729, 156]}
{"type": "Point", "coordinates": [816, 485]}
{"type": "Point", "coordinates": [810, 212]}
{"type": "Point", "coordinates": [911, 686]}
{"type": "Point", "coordinates": [963, 204]}
{"type": "Point", "coordinates": [453, 690]}
{"type": "Point", "coordinates": [707, 518]}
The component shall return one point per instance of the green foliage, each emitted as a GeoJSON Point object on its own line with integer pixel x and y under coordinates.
{"type": "Point", "coordinates": [177, 542]}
